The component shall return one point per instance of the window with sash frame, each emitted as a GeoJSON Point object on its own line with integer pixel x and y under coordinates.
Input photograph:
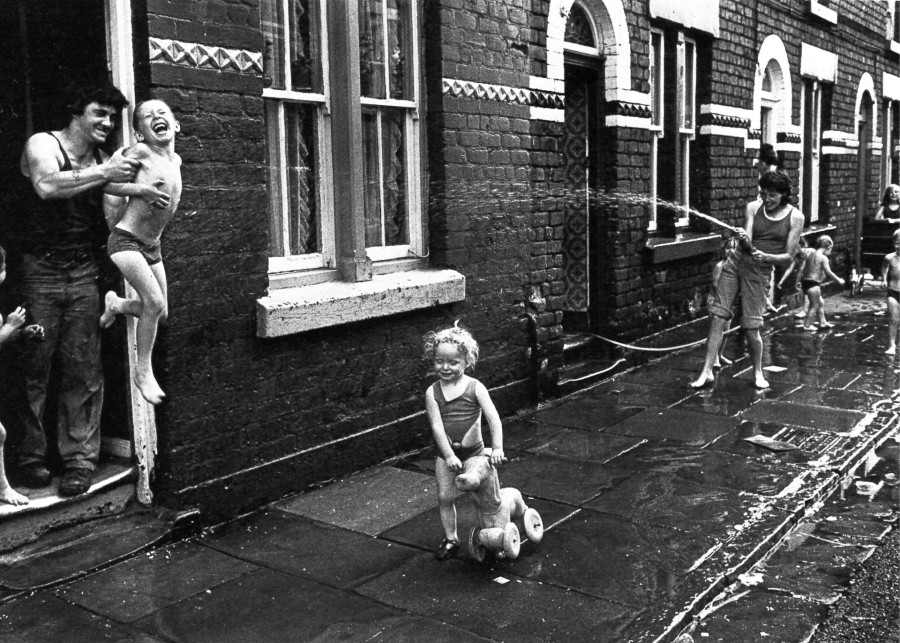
{"type": "Point", "coordinates": [302, 146]}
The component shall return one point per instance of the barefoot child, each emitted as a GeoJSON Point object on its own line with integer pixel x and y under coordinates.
{"type": "Point", "coordinates": [796, 269]}
{"type": "Point", "coordinates": [730, 246]}
{"type": "Point", "coordinates": [134, 240]}
{"type": "Point", "coordinates": [890, 277]}
{"type": "Point", "coordinates": [816, 268]}
{"type": "Point", "coordinates": [455, 405]}
{"type": "Point", "coordinates": [8, 328]}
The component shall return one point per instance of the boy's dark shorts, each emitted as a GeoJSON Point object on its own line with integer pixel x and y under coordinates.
{"type": "Point", "coordinates": [121, 240]}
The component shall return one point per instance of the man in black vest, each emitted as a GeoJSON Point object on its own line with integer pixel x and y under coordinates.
{"type": "Point", "coordinates": [62, 245]}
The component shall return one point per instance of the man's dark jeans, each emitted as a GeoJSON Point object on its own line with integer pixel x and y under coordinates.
{"type": "Point", "coordinates": [64, 300]}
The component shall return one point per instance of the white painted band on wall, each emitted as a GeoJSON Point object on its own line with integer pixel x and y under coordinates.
{"type": "Point", "coordinates": [635, 122]}
{"type": "Point", "coordinates": [548, 114]}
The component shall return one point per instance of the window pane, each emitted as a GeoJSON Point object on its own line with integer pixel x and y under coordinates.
{"type": "Point", "coordinates": [305, 60]}
{"type": "Point", "coordinates": [656, 67]}
{"type": "Point", "coordinates": [384, 177]}
{"type": "Point", "coordinates": [371, 48]}
{"type": "Point", "coordinates": [272, 21]}
{"type": "Point", "coordinates": [302, 210]}
{"type": "Point", "coordinates": [689, 87]}
{"type": "Point", "coordinates": [399, 41]}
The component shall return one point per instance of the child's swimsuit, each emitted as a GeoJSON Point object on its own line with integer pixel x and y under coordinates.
{"type": "Point", "coordinates": [806, 284]}
{"type": "Point", "coordinates": [121, 240]}
{"type": "Point", "coordinates": [459, 415]}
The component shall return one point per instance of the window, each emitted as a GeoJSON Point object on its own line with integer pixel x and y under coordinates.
{"type": "Point", "coordinates": [309, 154]}
{"type": "Point", "coordinates": [890, 158]}
{"type": "Point", "coordinates": [768, 103]}
{"type": "Point", "coordinates": [673, 102]}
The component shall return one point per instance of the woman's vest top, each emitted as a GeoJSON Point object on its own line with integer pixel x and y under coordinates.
{"type": "Point", "coordinates": [771, 236]}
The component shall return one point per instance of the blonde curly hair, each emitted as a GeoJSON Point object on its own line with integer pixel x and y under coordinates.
{"type": "Point", "coordinates": [452, 335]}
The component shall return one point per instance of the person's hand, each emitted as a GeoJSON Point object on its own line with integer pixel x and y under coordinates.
{"type": "Point", "coordinates": [34, 332]}
{"type": "Point", "coordinates": [119, 168]}
{"type": "Point", "coordinates": [497, 457]}
{"type": "Point", "coordinates": [454, 464]}
{"type": "Point", "coordinates": [154, 196]}
{"type": "Point", "coordinates": [16, 318]}
{"type": "Point", "coordinates": [841, 282]}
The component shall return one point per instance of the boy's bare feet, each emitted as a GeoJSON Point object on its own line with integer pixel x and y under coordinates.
{"type": "Point", "coordinates": [149, 387]}
{"type": "Point", "coordinates": [826, 325]}
{"type": "Point", "coordinates": [704, 380]}
{"type": "Point", "coordinates": [12, 497]}
{"type": "Point", "coordinates": [892, 350]}
{"type": "Point", "coordinates": [760, 381]}
{"type": "Point", "coordinates": [109, 313]}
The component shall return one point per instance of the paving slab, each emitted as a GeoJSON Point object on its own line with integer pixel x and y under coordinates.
{"type": "Point", "coordinates": [831, 398]}
{"type": "Point", "coordinates": [613, 558]}
{"type": "Point", "coordinates": [586, 446]}
{"type": "Point", "coordinates": [369, 501]}
{"type": "Point", "coordinates": [152, 581]}
{"type": "Point", "coordinates": [631, 393]}
{"type": "Point", "coordinates": [804, 415]}
{"type": "Point", "coordinates": [592, 414]}
{"type": "Point", "coordinates": [809, 444]}
{"type": "Point", "coordinates": [469, 596]}
{"type": "Point", "coordinates": [710, 467]}
{"type": "Point", "coordinates": [676, 503]}
{"type": "Point", "coordinates": [44, 617]}
{"type": "Point", "coordinates": [330, 555]}
{"type": "Point", "coordinates": [562, 480]}
{"type": "Point", "coordinates": [688, 427]}
{"type": "Point", "coordinates": [274, 603]}
{"type": "Point", "coordinates": [762, 616]}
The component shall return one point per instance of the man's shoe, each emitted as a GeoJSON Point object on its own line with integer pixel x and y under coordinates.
{"type": "Point", "coordinates": [75, 482]}
{"type": "Point", "coordinates": [33, 476]}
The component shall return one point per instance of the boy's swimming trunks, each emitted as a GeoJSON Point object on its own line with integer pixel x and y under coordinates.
{"type": "Point", "coordinates": [806, 284]}
{"type": "Point", "coordinates": [121, 240]}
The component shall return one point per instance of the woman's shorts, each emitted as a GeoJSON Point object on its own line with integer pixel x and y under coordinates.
{"type": "Point", "coordinates": [741, 275]}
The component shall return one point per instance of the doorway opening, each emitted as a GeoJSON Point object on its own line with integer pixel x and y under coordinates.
{"type": "Point", "coordinates": [49, 46]}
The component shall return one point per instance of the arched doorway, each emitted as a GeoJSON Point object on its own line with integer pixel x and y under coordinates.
{"type": "Point", "coordinates": [584, 91]}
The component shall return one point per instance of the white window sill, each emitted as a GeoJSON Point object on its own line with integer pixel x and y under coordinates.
{"type": "Point", "coordinates": [823, 12]}
{"type": "Point", "coordinates": [895, 47]}
{"type": "Point", "coordinates": [287, 311]}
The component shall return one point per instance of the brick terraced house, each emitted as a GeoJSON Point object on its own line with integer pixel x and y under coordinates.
{"type": "Point", "coordinates": [359, 172]}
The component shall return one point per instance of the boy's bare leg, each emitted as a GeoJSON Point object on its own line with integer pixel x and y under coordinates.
{"type": "Point", "coordinates": [7, 493]}
{"type": "Point", "coordinates": [144, 281]}
{"type": "Point", "coordinates": [754, 344]}
{"type": "Point", "coordinates": [893, 326]}
{"type": "Point", "coordinates": [115, 305]}
{"type": "Point", "coordinates": [713, 342]}
{"type": "Point", "coordinates": [815, 304]}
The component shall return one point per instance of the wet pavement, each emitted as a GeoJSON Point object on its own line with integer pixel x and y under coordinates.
{"type": "Point", "coordinates": [660, 518]}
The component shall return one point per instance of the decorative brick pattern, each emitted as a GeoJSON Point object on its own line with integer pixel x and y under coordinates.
{"type": "Point", "coordinates": [515, 95]}
{"type": "Point", "coordinates": [191, 54]}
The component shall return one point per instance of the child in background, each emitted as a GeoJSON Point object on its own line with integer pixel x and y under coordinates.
{"type": "Point", "coordinates": [8, 328]}
{"type": "Point", "coordinates": [816, 268]}
{"type": "Point", "coordinates": [890, 277]}
{"type": "Point", "coordinates": [796, 269]}
{"type": "Point", "coordinates": [890, 204]}
{"type": "Point", "coordinates": [455, 405]}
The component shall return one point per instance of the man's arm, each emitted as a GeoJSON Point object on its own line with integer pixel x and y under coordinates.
{"type": "Point", "coordinates": [40, 162]}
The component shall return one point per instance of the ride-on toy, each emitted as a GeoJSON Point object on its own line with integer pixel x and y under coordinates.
{"type": "Point", "coordinates": [498, 532]}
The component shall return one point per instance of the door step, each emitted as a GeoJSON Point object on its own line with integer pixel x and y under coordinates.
{"type": "Point", "coordinates": [110, 493]}
{"type": "Point", "coordinates": [587, 360]}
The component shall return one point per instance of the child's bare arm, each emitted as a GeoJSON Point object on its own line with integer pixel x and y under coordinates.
{"type": "Point", "coordinates": [438, 432]}
{"type": "Point", "coordinates": [149, 192]}
{"type": "Point", "coordinates": [14, 321]}
{"type": "Point", "coordinates": [493, 421]}
{"type": "Point", "coordinates": [826, 268]}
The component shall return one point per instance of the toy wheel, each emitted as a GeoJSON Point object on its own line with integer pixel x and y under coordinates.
{"type": "Point", "coordinates": [511, 541]}
{"type": "Point", "coordinates": [534, 526]}
{"type": "Point", "coordinates": [478, 551]}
